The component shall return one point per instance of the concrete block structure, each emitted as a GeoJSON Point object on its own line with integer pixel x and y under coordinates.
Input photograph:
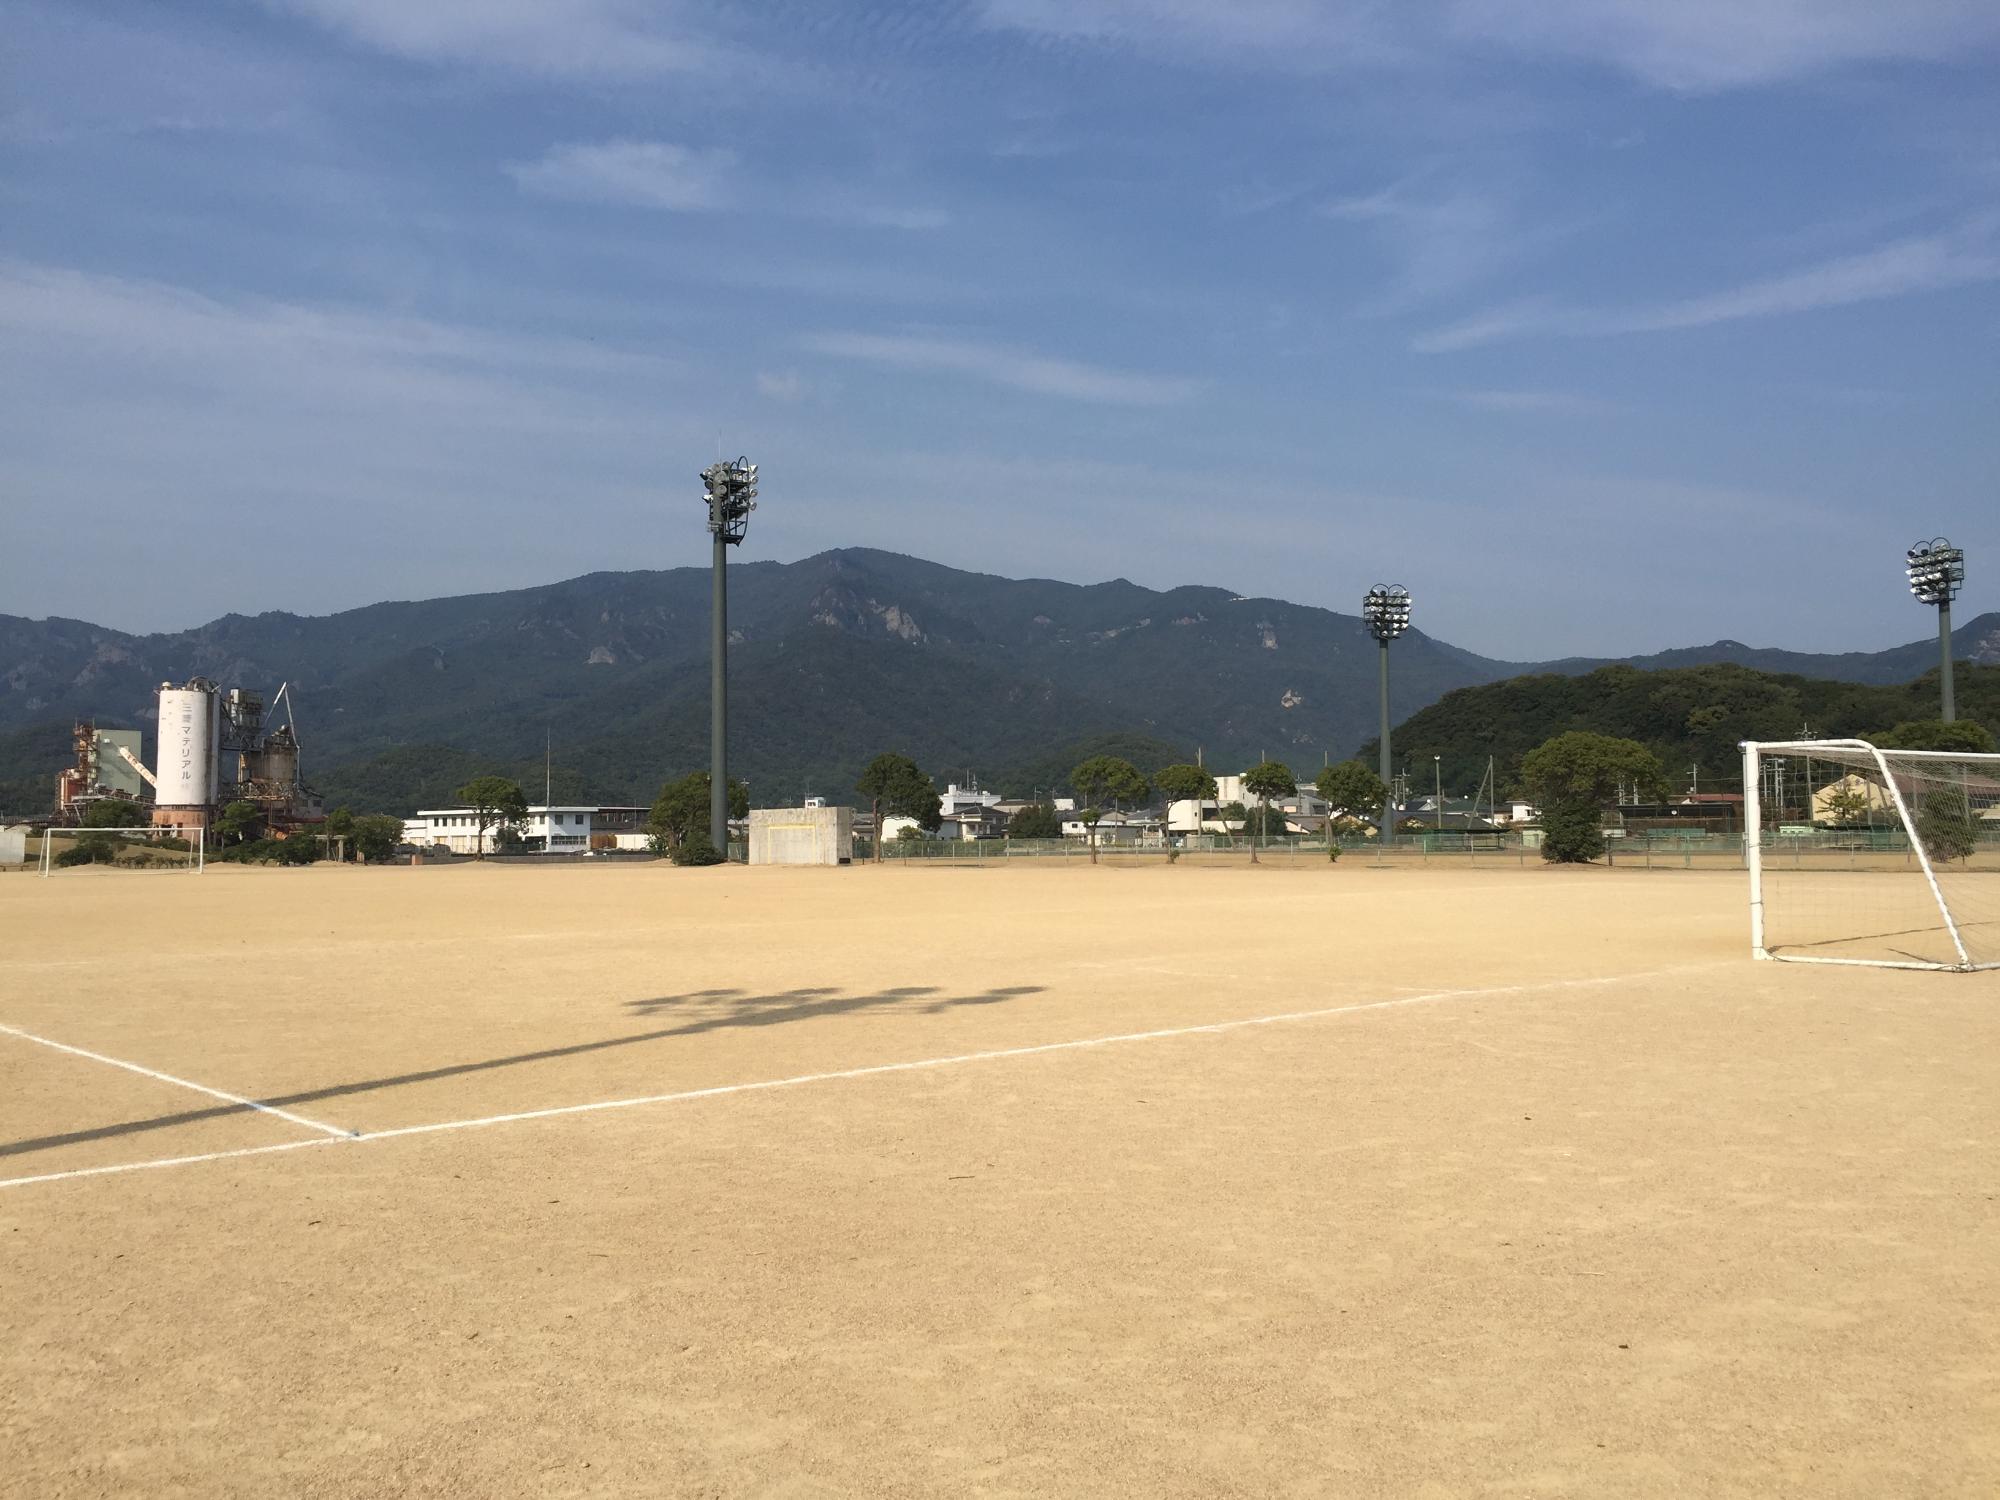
{"type": "Point", "coordinates": [801, 835]}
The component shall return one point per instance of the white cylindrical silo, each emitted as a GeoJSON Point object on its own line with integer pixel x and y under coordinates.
{"type": "Point", "coordinates": [186, 770]}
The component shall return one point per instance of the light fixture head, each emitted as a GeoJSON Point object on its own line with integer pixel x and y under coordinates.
{"type": "Point", "coordinates": [1386, 609]}
{"type": "Point", "coordinates": [1936, 570]}
{"type": "Point", "coordinates": [730, 489]}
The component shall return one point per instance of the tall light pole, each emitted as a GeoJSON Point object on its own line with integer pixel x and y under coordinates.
{"type": "Point", "coordinates": [1386, 608]}
{"type": "Point", "coordinates": [1437, 797]}
{"type": "Point", "coordinates": [1937, 573]}
{"type": "Point", "coordinates": [731, 492]}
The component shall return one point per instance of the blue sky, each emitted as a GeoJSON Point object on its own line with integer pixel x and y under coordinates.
{"type": "Point", "coordinates": [1605, 325]}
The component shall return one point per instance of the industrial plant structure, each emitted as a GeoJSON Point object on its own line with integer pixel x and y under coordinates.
{"type": "Point", "coordinates": [106, 764]}
{"type": "Point", "coordinates": [212, 749]}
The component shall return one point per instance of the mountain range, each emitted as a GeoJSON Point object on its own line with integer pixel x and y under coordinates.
{"type": "Point", "coordinates": [833, 659]}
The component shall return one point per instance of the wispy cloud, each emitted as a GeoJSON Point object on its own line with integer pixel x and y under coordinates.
{"type": "Point", "coordinates": [1520, 319]}
{"type": "Point", "coordinates": [1293, 34]}
{"type": "Point", "coordinates": [1528, 402]}
{"type": "Point", "coordinates": [1927, 263]}
{"type": "Point", "coordinates": [1690, 45]}
{"type": "Point", "coordinates": [1907, 267]}
{"type": "Point", "coordinates": [157, 324]}
{"type": "Point", "coordinates": [1699, 45]}
{"type": "Point", "coordinates": [1446, 231]}
{"type": "Point", "coordinates": [688, 179]}
{"type": "Point", "coordinates": [603, 37]}
{"type": "Point", "coordinates": [646, 174]}
{"type": "Point", "coordinates": [781, 385]}
{"type": "Point", "coordinates": [152, 403]}
{"type": "Point", "coordinates": [1013, 368]}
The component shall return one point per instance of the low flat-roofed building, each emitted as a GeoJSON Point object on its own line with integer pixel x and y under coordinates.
{"type": "Point", "coordinates": [545, 830]}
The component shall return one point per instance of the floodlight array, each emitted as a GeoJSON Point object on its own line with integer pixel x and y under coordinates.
{"type": "Point", "coordinates": [1937, 571]}
{"type": "Point", "coordinates": [731, 492]}
{"type": "Point", "coordinates": [1387, 611]}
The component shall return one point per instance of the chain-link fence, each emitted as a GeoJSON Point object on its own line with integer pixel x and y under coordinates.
{"type": "Point", "coordinates": [1678, 850]}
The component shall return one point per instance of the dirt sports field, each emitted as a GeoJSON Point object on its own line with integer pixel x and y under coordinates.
{"type": "Point", "coordinates": [1051, 1181]}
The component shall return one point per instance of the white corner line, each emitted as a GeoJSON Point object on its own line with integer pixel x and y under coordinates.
{"type": "Point", "coordinates": [181, 1161]}
{"type": "Point", "coordinates": [800, 1080]}
{"type": "Point", "coordinates": [200, 1088]}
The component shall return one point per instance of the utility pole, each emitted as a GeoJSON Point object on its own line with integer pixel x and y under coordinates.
{"type": "Point", "coordinates": [731, 492]}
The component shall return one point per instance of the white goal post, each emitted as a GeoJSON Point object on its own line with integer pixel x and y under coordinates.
{"type": "Point", "coordinates": [1863, 855]}
{"type": "Point", "coordinates": [142, 846]}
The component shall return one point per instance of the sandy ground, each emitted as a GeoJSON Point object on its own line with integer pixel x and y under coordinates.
{"type": "Point", "coordinates": [1551, 1191]}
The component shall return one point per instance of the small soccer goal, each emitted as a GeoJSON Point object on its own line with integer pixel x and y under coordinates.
{"type": "Point", "coordinates": [169, 848]}
{"type": "Point", "coordinates": [1860, 855]}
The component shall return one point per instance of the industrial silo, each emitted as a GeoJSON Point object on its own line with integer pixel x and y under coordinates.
{"type": "Point", "coordinates": [190, 729]}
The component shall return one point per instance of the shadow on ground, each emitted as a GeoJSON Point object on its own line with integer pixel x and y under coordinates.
{"type": "Point", "coordinates": [704, 1011]}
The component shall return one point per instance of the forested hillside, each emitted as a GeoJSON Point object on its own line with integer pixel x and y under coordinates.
{"type": "Point", "coordinates": [834, 659]}
{"type": "Point", "coordinates": [1693, 718]}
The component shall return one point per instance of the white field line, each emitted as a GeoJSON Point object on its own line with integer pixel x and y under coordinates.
{"type": "Point", "coordinates": [875, 1070]}
{"type": "Point", "coordinates": [200, 1088]}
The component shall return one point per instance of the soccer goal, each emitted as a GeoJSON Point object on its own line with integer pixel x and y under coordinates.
{"type": "Point", "coordinates": [132, 848]}
{"type": "Point", "coordinates": [1860, 855]}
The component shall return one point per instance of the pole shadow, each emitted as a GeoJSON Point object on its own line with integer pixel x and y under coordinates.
{"type": "Point", "coordinates": [713, 1010]}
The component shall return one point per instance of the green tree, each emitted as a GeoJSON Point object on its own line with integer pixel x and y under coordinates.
{"type": "Point", "coordinates": [696, 847]}
{"type": "Point", "coordinates": [1846, 804]}
{"type": "Point", "coordinates": [236, 820]}
{"type": "Point", "coordinates": [1182, 783]}
{"type": "Point", "coordinates": [1266, 781]}
{"type": "Point", "coordinates": [894, 786]}
{"type": "Point", "coordinates": [1572, 832]}
{"type": "Point", "coordinates": [1351, 787]}
{"type": "Point", "coordinates": [681, 811]}
{"type": "Point", "coordinates": [376, 837]}
{"type": "Point", "coordinates": [90, 849]}
{"type": "Point", "coordinates": [1101, 779]}
{"type": "Point", "coordinates": [1572, 776]}
{"type": "Point", "coordinates": [1946, 824]}
{"type": "Point", "coordinates": [1935, 734]}
{"type": "Point", "coordinates": [1038, 820]}
{"type": "Point", "coordinates": [340, 825]}
{"type": "Point", "coordinates": [113, 812]}
{"type": "Point", "coordinates": [493, 799]}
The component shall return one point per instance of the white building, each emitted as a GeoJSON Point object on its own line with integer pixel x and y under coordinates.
{"type": "Point", "coordinates": [1115, 828]}
{"type": "Point", "coordinates": [1305, 797]}
{"type": "Point", "coordinates": [547, 830]}
{"type": "Point", "coordinates": [956, 799]}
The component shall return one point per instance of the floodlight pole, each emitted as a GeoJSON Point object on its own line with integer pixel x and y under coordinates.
{"type": "Point", "coordinates": [1386, 610]}
{"type": "Point", "coordinates": [1388, 796]}
{"type": "Point", "coordinates": [718, 699]}
{"type": "Point", "coordinates": [1937, 572]}
{"type": "Point", "coordinates": [731, 492]}
{"type": "Point", "coordinates": [1944, 653]}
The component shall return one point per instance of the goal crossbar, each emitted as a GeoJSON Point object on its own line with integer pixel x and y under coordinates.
{"type": "Point", "coordinates": [1891, 790]}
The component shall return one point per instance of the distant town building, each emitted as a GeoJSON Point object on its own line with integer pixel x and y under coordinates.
{"type": "Point", "coordinates": [545, 830]}
{"type": "Point", "coordinates": [956, 799]}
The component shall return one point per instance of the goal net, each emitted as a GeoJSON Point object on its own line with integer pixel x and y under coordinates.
{"type": "Point", "coordinates": [131, 848]}
{"type": "Point", "coordinates": [1866, 856]}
